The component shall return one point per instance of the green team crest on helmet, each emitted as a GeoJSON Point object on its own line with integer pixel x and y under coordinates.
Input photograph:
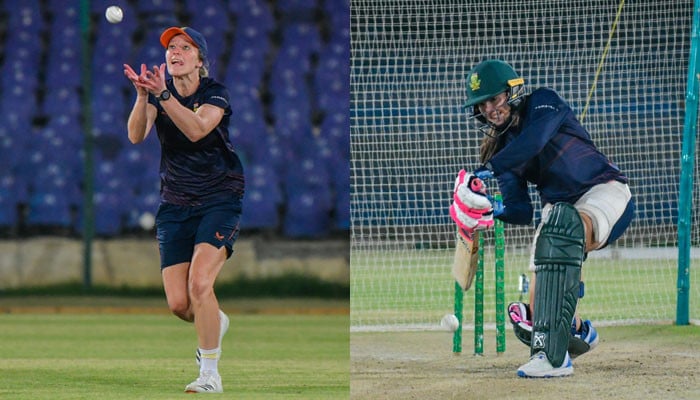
{"type": "Point", "coordinates": [488, 79]}
{"type": "Point", "coordinates": [474, 82]}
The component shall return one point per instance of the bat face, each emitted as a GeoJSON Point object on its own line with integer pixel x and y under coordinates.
{"type": "Point", "coordinates": [465, 260]}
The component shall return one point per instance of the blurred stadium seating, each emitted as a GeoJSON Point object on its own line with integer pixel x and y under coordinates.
{"type": "Point", "coordinates": [286, 64]}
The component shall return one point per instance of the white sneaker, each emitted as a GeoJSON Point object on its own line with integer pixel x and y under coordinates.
{"type": "Point", "coordinates": [540, 367]}
{"type": "Point", "coordinates": [206, 383]}
{"type": "Point", "coordinates": [223, 327]}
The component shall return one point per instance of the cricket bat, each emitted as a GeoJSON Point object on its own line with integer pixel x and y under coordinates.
{"type": "Point", "coordinates": [466, 259]}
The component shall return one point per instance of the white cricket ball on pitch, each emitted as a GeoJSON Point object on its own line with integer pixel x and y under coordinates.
{"type": "Point", "coordinates": [114, 14]}
{"type": "Point", "coordinates": [449, 322]}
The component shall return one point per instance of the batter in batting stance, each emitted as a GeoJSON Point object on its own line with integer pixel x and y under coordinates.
{"type": "Point", "coordinates": [201, 186]}
{"type": "Point", "coordinates": [587, 205]}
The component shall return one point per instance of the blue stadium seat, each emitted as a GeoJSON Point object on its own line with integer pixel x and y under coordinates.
{"type": "Point", "coordinates": [304, 36]}
{"type": "Point", "coordinates": [207, 8]}
{"type": "Point", "coordinates": [65, 31]}
{"type": "Point", "coordinates": [262, 199]}
{"type": "Point", "coordinates": [64, 55]}
{"type": "Point", "coordinates": [19, 105]}
{"type": "Point", "coordinates": [342, 209]}
{"type": "Point", "coordinates": [109, 213]}
{"type": "Point", "coordinates": [109, 71]}
{"type": "Point", "coordinates": [109, 177]}
{"type": "Point", "coordinates": [98, 7]}
{"type": "Point", "coordinates": [155, 6]}
{"type": "Point", "coordinates": [255, 13]}
{"type": "Point", "coordinates": [336, 129]}
{"type": "Point", "coordinates": [306, 172]}
{"type": "Point", "coordinates": [308, 212]}
{"type": "Point", "coordinates": [18, 78]}
{"type": "Point", "coordinates": [54, 176]}
{"type": "Point", "coordinates": [274, 153]}
{"type": "Point", "coordinates": [62, 100]}
{"type": "Point", "coordinates": [147, 190]}
{"type": "Point", "coordinates": [25, 15]}
{"type": "Point", "coordinates": [293, 124]}
{"type": "Point", "coordinates": [63, 130]}
{"type": "Point", "coordinates": [308, 199]}
{"type": "Point", "coordinates": [247, 132]}
{"type": "Point", "coordinates": [210, 18]}
{"type": "Point", "coordinates": [291, 105]}
{"type": "Point", "coordinates": [133, 161]}
{"type": "Point", "coordinates": [297, 9]}
{"type": "Point", "coordinates": [11, 149]}
{"type": "Point", "coordinates": [151, 53]}
{"type": "Point", "coordinates": [109, 107]}
{"type": "Point", "coordinates": [247, 62]}
{"type": "Point", "coordinates": [44, 104]}
{"type": "Point", "coordinates": [8, 203]}
{"type": "Point", "coordinates": [340, 182]}
{"type": "Point", "coordinates": [64, 10]}
{"type": "Point", "coordinates": [142, 204]}
{"type": "Point", "coordinates": [332, 78]}
{"type": "Point", "coordinates": [250, 36]}
{"type": "Point", "coordinates": [50, 205]}
{"type": "Point", "coordinates": [338, 11]}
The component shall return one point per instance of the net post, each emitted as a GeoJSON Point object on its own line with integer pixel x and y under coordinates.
{"type": "Point", "coordinates": [685, 199]}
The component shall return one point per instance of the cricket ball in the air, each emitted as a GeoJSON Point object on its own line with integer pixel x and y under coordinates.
{"type": "Point", "coordinates": [449, 322]}
{"type": "Point", "coordinates": [114, 14]}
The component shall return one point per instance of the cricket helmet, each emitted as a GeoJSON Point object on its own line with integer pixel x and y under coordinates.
{"type": "Point", "coordinates": [489, 78]}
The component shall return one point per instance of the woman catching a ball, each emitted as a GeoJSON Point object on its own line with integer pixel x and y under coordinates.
{"type": "Point", "coordinates": [202, 186]}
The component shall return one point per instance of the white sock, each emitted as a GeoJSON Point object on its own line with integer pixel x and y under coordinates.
{"type": "Point", "coordinates": [210, 361]}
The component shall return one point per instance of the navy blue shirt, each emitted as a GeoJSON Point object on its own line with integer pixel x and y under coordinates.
{"type": "Point", "coordinates": [194, 173]}
{"type": "Point", "coordinates": [550, 149]}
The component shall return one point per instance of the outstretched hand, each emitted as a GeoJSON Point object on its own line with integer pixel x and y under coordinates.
{"type": "Point", "coordinates": [148, 81]}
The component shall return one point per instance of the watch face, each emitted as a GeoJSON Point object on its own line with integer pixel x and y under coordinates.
{"type": "Point", "coordinates": [165, 95]}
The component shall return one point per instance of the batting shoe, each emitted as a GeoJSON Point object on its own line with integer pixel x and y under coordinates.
{"type": "Point", "coordinates": [223, 327]}
{"type": "Point", "coordinates": [540, 367]}
{"type": "Point", "coordinates": [206, 383]}
{"type": "Point", "coordinates": [588, 334]}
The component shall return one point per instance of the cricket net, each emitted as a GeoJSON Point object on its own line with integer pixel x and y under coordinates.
{"type": "Point", "coordinates": [410, 136]}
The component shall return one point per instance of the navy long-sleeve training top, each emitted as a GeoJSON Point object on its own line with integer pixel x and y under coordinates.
{"type": "Point", "coordinates": [550, 149]}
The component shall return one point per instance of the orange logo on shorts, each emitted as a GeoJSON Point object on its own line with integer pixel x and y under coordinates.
{"type": "Point", "coordinates": [219, 236]}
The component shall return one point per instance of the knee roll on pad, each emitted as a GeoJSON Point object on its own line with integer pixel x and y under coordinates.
{"type": "Point", "coordinates": [559, 253]}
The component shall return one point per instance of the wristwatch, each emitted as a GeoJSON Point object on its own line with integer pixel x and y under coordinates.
{"type": "Point", "coordinates": [164, 95]}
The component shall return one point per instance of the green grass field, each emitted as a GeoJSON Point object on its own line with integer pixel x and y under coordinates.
{"type": "Point", "coordinates": [415, 287]}
{"type": "Point", "coordinates": [124, 356]}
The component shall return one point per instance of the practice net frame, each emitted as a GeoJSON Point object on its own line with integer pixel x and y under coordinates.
{"type": "Point", "coordinates": [410, 136]}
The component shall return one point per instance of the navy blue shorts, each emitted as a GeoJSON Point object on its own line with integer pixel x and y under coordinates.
{"type": "Point", "coordinates": [180, 228]}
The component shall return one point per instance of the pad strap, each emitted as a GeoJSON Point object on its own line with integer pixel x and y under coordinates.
{"type": "Point", "coordinates": [558, 257]}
